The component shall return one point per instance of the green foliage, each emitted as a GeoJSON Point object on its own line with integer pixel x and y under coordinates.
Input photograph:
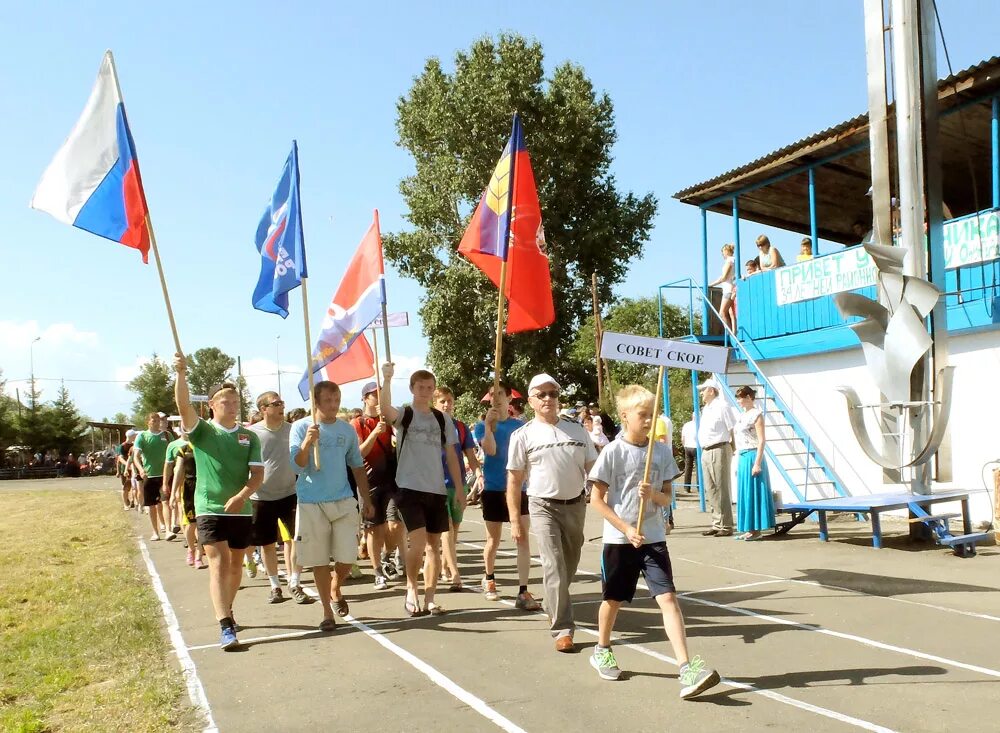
{"type": "Point", "coordinates": [121, 418]}
{"type": "Point", "coordinates": [207, 367]}
{"type": "Point", "coordinates": [455, 126]}
{"type": "Point", "coordinates": [9, 409]}
{"type": "Point", "coordinates": [65, 425]}
{"type": "Point", "coordinates": [154, 388]}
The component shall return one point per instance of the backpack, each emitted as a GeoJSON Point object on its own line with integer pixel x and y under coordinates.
{"type": "Point", "coordinates": [408, 418]}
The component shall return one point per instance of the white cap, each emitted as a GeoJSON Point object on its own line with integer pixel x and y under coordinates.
{"type": "Point", "coordinates": [712, 383]}
{"type": "Point", "coordinates": [540, 380]}
{"type": "Point", "coordinates": [131, 433]}
{"type": "Point", "coordinates": [162, 414]}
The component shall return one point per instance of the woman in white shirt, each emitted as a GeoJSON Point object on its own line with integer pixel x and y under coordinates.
{"type": "Point", "coordinates": [727, 283]}
{"type": "Point", "coordinates": [755, 505]}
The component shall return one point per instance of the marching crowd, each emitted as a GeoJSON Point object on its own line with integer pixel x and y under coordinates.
{"type": "Point", "coordinates": [398, 479]}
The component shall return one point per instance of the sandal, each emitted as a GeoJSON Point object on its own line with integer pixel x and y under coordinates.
{"type": "Point", "coordinates": [434, 609]}
{"type": "Point", "coordinates": [456, 587]}
{"type": "Point", "coordinates": [327, 624]}
{"type": "Point", "coordinates": [412, 609]}
{"type": "Point", "coordinates": [341, 607]}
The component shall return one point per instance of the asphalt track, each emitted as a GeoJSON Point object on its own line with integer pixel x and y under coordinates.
{"type": "Point", "coordinates": [807, 635]}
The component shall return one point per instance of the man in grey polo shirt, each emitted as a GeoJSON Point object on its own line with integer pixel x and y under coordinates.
{"type": "Point", "coordinates": [554, 455]}
{"type": "Point", "coordinates": [715, 435]}
{"type": "Point", "coordinates": [275, 499]}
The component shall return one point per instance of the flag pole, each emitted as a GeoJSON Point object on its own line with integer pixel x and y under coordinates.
{"type": "Point", "coordinates": [385, 314]}
{"type": "Point", "coordinates": [309, 365]}
{"type": "Point", "coordinates": [501, 303]}
{"type": "Point", "coordinates": [597, 339]}
{"type": "Point", "coordinates": [378, 382]}
{"type": "Point", "coordinates": [649, 446]}
{"type": "Point", "coordinates": [149, 226]}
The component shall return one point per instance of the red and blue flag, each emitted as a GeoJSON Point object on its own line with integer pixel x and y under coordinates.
{"type": "Point", "coordinates": [507, 225]}
{"type": "Point", "coordinates": [280, 244]}
{"type": "Point", "coordinates": [93, 182]}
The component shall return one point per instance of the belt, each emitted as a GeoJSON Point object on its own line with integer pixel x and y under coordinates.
{"type": "Point", "coordinates": [574, 500]}
{"type": "Point", "coordinates": [714, 446]}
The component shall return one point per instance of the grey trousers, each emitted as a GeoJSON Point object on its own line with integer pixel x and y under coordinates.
{"type": "Point", "coordinates": [558, 530]}
{"type": "Point", "coordinates": [716, 471]}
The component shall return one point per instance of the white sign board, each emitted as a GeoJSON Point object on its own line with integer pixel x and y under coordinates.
{"type": "Point", "coordinates": [395, 319]}
{"type": "Point", "coordinates": [664, 352]}
{"type": "Point", "coordinates": [199, 398]}
{"type": "Point", "coordinates": [826, 275]}
{"type": "Point", "coordinates": [972, 239]}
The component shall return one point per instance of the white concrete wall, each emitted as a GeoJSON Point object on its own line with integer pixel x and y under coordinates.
{"type": "Point", "coordinates": [807, 385]}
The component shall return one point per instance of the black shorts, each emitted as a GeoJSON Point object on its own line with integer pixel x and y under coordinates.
{"type": "Point", "coordinates": [187, 500]}
{"type": "Point", "coordinates": [233, 529]}
{"type": "Point", "coordinates": [151, 490]}
{"type": "Point", "coordinates": [383, 499]}
{"type": "Point", "coordinates": [495, 506]}
{"type": "Point", "coordinates": [266, 515]}
{"type": "Point", "coordinates": [622, 564]}
{"type": "Point", "coordinates": [421, 510]}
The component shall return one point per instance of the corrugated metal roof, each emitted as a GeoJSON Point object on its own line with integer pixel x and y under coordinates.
{"type": "Point", "coordinates": [831, 134]}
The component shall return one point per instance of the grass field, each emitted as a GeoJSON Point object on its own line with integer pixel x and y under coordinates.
{"type": "Point", "coordinates": [81, 641]}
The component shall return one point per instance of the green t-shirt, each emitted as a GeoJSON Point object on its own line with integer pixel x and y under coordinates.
{"type": "Point", "coordinates": [154, 451]}
{"type": "Point", "coordinates": [174, 449]}
{"type": "Point", "coordinates": [223, 458]}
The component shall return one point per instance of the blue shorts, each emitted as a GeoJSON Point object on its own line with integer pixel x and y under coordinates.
{"type": "Point", "coordinates": [621, 566]}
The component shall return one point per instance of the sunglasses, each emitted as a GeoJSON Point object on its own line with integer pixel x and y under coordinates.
{"type": "Point", "coordinates": [276, 403]}
{"type": "Point", "coordinates": [553, 393]}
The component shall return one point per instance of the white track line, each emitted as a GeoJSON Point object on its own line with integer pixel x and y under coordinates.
{"type": "Point", "coordinates": [932, 606]}
{"type": "Point", "coordinates": [194, 687]}
{"type": "Point", "coordinates": [770, 694]}
{"type": "Point", "coordinates": [438, 678]}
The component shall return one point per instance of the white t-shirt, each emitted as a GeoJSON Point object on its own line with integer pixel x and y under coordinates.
{"type": "Point", "coordinates": [744, 430]}
{"type": "Point", "coordinates": [689, 435]}
{"type": "Point", "coordinates": [621, 466]}
{"type": "Point", "coordinates": [554, 457]}
{"type": "Point", "coordinates": [717, 421]}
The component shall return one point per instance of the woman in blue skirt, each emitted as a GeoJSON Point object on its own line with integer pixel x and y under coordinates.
{"type": "Point", "coordinates": [755, 505]}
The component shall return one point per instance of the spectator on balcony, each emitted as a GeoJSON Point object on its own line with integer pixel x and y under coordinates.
{"type": "Point", "coordinates": [806, 250]}
{"type": "Point", "coordinates": [726, 282]}
{"type": "Point", "coordinates": [752, 267]}
{"type": "Point", "coordinates": [770, 257]}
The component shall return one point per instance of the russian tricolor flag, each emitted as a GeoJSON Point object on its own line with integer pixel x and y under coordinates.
{"type": "Point", "coordinates": [93, 182]}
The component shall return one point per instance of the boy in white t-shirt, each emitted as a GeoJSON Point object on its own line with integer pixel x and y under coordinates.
{"type": "Point", "coordinates": [617, 489]}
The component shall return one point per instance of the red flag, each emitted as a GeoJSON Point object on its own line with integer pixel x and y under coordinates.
{"type": "Point", "coordinates": [354, 364]}
{"type": "Point", "coordinates": [515, 209]}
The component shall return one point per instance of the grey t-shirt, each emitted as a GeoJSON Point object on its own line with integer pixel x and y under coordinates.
{"type": "Point", "coordinates": [279, 478]}
{"type": "Point", "coordinates": [419, 462]}
{"type": "Point", "coordinates": [621, 466]}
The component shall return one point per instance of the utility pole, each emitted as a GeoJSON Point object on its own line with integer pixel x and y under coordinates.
{"type": "Point", "coordinates": [277, 361]}
{"type": "Point", "coordinates": [239, 388]}
{"type": "Point", "coordinates": [31, 352]}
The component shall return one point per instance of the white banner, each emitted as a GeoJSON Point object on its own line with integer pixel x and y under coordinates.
{"type": "Point", "coordinates": [395, 319]}
{"type": "Point", "coordinates": [664, 352]}
{"type": "Point", "coordinates": [971, 240]}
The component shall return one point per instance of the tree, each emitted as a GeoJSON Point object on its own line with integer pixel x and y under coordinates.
{"type": "Point", "coordinates": [207, 367]}
{"type": "Point", "coordinates": [154, 387]}
{"type": "Point", "coordinates": [8, 417]}
{"type": "Point", "coordinates": [65, 424]}
{"type": "Point", "coordinates": [32, 425]}
{"type": "Point", "coordinates": [638, 316]}
{"type": "Point", "coordinates": [455, 127]}
{"type": "Point", "coordinates": [121, 418]}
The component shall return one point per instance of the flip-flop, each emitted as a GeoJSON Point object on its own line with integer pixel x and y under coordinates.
{"type": "Point", "coordinates": [434, 609]}
{"type": "Point", "coordinates": [755, 538]}
{"type": "Point", "coordinates": [341, 607]}
{"type": "Point", "coordinates": [412, 609]}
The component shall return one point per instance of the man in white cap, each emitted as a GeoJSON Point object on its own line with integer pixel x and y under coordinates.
{"type": "Point", "coordinates": [555, 455]}
{"type": "Point", "coordinates": [715, 435]}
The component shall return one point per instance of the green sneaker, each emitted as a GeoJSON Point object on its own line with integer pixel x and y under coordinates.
{"type": "Point", "coordinates": [603, 660]}
{"type": "Point", "coordinates": [695, 678]}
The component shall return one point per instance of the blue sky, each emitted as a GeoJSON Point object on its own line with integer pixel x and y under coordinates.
{"type": "Point", "coordinates": [216, 91]}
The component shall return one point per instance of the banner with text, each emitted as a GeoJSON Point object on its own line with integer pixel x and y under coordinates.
{"type": "Point", "coordinates": [664, 352]}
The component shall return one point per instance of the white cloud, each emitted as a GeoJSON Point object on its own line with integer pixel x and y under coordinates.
{"type": "Point", "coordinates": [131, 371]}
{"type": "Point", "coordinates": [20, 335]}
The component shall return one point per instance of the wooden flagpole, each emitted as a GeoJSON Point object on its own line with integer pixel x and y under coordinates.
{"type": "Point", "coordinates": [385, 314]}
{"type": "Point", "coordinates": [309, 365]}
{"type": "Point", "coordinates": [597, 339]}
{"type": "Point", "coordinates": [378, 382]}
{"type": "Point", "coordinates": [149, 228]}
{"type": "Point", "coordinates": [501, 302]}
{"type": "Point", "coordinates": [651, 444]}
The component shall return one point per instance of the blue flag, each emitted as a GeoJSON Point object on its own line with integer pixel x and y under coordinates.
{"type": "Point", "coordinates": [279, 242]}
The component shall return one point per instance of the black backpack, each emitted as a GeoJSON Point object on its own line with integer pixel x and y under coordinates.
{"type": "Point", "coordinates": [408, 418]}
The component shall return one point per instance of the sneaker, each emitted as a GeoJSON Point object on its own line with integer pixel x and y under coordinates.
{"type": "Point", "coordinates": [251, 567]}
{"type": "Point", "coordinates": [355, 571]}
{"type": "Point", "coordinates": [199, 563]}
{"type": "Point", "coordinates": [380, 583]}
{"type": "Point", "coordinates": [190, 558]}
{"type": "Point", "coordinates": [154, 537]}
{"type": "Point", "coordinates": [298, 595]}
{"type": "Point", "coordinates": [171, 536]}
{"type": "Point", "coordinates": [526, 602]}
{"type": "Point", "coordinates": [229, 640]}
{"type": "Point", "coordinates": [400, 565]}
{"type": "Point", "coordinates": [603, 660]}
{"type": "Point", "coordinates": [275, 596]}
{"type": "Point", "coordinates": [490, 590]}
{"type": "Point", "coordinates": [176, 529]}
{"type": "Point", "coordinates": [695, 678]}
{"type": "Point", "coordinates": [389, 568]}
